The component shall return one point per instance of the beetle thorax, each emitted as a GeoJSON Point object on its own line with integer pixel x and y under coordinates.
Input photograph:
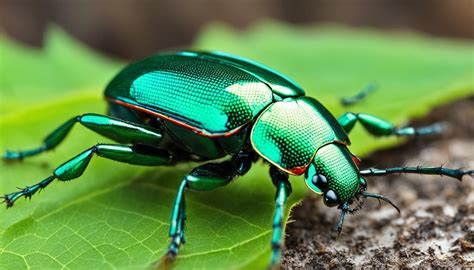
{"type": "Point", "coordinates": [288, 133]}
{"type": "Point", "coordinates": [333, 172]}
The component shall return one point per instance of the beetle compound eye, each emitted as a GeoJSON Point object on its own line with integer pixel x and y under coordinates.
{"type": "Point", "coordinates": [320, 181]}
{"type": "Point", "coordinates": [331, 199]}
{"type": "Point", "coordinates": [316, 182]}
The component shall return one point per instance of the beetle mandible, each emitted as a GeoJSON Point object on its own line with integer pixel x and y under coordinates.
{"type": "Point", "coordinates": [202, 106]}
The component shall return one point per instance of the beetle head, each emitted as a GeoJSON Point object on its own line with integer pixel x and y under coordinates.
{"type": "Point", "coordinates": [334, 173]}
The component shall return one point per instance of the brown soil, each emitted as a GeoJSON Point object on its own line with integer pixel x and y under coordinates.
{"type": "Point", "coordinates": [435, 228]}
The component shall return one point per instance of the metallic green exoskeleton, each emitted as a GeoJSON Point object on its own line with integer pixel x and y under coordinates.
{"type": "Point", "coordinates": [200, 106]}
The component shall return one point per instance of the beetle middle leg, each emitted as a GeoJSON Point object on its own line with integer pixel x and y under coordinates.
{"type": "Point", "coordinates": [75, 167]}
{"type": "Point", "coordinates": [379, 127]}
{"type": "Point", "coordinates": [113, 128]}
{"type": "Point", "coordinates": [206, 177]}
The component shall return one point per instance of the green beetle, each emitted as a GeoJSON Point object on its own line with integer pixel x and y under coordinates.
{"type": "Point", "coordinates": [201, 106]}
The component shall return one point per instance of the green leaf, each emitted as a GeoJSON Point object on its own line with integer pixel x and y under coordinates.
{"type": "Point", "coordinates": [63, 67]}
{"type": "Point", "coordinates": [117, 215]}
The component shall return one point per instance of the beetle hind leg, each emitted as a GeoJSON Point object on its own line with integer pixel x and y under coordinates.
{"type": "Point", "coordinates": [115, 129]}
{"type": "Point", "coordinates": [75, 167]}
{"type": "Point", "coordinates": [26, 192]}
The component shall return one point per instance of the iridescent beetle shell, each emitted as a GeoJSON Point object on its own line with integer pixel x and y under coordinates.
{"type": "Point", "coordinates": [290, 132]}
{"type": "Point", "coordinates": [202, 94]}
{"type": "Point", "coordinates": [216, 94]}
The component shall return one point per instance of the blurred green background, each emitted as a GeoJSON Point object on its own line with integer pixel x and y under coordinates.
{"type": "Point", "coordinates": [135, 28]}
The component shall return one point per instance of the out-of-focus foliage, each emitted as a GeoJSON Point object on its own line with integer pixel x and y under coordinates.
{"type": "Point", "coordinates": [116, 215]}
{"type": "Point", "coordinates": [64, 67]}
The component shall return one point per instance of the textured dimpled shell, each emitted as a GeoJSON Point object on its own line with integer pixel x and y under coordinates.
{"type": "Point", "coordinates": [335, 162]}
{"type": "Point", "coordinates": [288, 133]}
{"type": "Point", "coordinates": [205, 94]}
{"type": "Point", "coordinates": [281, 84]}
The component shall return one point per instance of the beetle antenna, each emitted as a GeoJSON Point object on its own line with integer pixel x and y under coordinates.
{"type": "Point", "coordinates": [380, 197]}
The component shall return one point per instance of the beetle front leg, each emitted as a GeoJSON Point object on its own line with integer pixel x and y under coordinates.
{"type": "Point", "coordinates": [112, 128]}
{"type": "Point", "coordinates": [379, 127]}
{"type": "Point", "coordinates": [75, 167]}
{"type": "Point", "coordinates": [283, 190]}
{"type": "Point", "coordinates": [206, 177]}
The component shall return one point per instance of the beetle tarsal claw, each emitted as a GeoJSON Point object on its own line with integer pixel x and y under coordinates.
{"type": "Point", "coordinates": [7, 201]}
{"type": "Point", "coordinates": [380, 197]}
{"type": "Point", "coordinates": [470, 173]}
{"type": "Point", "coordinates": [11, 156]}
{"type": "Point", "coordinates": [165, 262]}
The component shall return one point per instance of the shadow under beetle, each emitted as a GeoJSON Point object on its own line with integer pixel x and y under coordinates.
{"type": "Point", "coordinates": [201, 106]}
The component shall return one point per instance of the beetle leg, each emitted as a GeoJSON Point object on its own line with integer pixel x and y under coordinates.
{"type": "Point", "coordinates": [283, 186]}
{"type": "Point", "coordinates": [206, 177]}
{"type": "Point", "coordinates": [178, 219]}
{"type": "Point", "coordinates": [115, 129]}
{"type": "Point", "coordinates": [379, 127]}
{"type": "Point", "coordinates": [349, 101]}
{"type": "Point", "coordinates": [344, 210]}
{"type": "Point", "coordinates": [455, 173]}
{"type": "Point", "coordinates": [137, 155]}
